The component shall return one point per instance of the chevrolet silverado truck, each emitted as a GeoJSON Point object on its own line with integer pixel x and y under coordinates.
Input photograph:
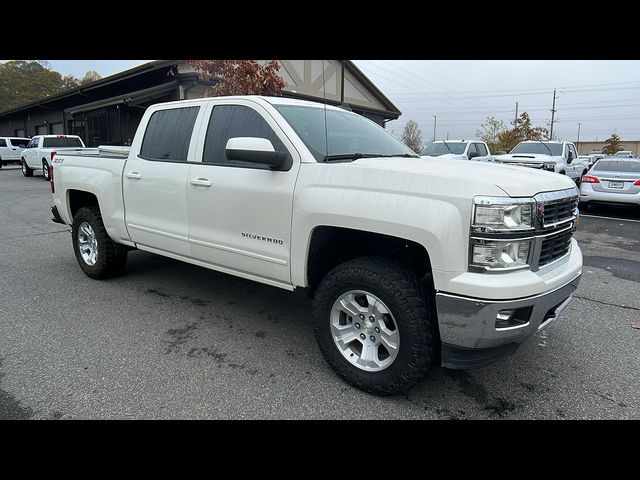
{"type": "Point", "coordinates": [558, 157]}
{"type": "Point", "coordinates": [410, 264]}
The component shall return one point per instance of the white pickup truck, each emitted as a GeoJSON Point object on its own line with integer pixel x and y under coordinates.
{"type": "Point", "coordinates": [458, 150]}
{"type": "Point", "coordinates": [410, 264]}
{"type": "Point", "coordinates": [558, 157]}
{"type": "Point", "coordinates": [41, 149]}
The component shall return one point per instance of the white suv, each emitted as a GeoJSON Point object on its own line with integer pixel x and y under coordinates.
{"type": "Point", "coordinates": [10, 149]}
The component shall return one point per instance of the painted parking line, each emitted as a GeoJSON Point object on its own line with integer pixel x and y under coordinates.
{"type": "Point", "coordinates": [610, 218]}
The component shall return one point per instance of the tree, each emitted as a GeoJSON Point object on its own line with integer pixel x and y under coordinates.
{"type": "Point", "coordinates": [490, 131]}
{"type": "Point", "coordinates": [522, 131]}
{"type": "Point", "coordinates": [25, 81]}
{"type": "Point", "coordinates": [90, 76]}
{"type": "Point", "coordinates": [240, 77]}
{"type": "Point", "coordinates": [612, 144]}
{"type": "Point", "coordinates": [412, 136]}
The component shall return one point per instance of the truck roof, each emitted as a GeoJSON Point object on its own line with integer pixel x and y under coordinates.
{"type": "Point", "coordinates": [271, 100]}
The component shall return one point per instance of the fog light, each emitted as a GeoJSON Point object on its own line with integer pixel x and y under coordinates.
{"type": "Point", "coordinates": [515, 317]}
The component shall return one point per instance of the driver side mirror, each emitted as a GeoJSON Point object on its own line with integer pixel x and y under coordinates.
{"type": "Point", "coordinates": [254, 150]}
{"type": "Point", "coordinates": [472, 155]}
{"type": "Point", "coordinates": [570, 157]}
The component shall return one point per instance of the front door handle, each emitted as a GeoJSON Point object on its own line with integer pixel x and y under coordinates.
{"type": "Point", "coordinates": [133, 175]}
{"type": "Point", "coordinates": [200, 182]}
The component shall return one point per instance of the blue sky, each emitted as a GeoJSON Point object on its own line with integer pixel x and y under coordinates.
{"type": "Point", "coordinates": [78, 68]}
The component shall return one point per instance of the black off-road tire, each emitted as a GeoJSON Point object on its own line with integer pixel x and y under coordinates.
{"type": "Point", "coordinates": [1, 163]}
{"type": "Point", "coordinates": [112, 257]}
{"type": "Point", "coordinates": [45, 169]}
{"type": "Point", "coordinates": [403, 294]}
{"type": "Point", "coordinates": [26, 171]}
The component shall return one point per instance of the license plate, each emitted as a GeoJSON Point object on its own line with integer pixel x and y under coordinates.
{"type": "Point", "coordinates": [616, 184]}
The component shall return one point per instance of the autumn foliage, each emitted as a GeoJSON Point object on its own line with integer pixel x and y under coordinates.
{"type": "Point", "coordinates": [240, 77]}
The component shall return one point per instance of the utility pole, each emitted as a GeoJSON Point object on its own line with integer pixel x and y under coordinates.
{"type": "Point", "coordinates": [434, 127]}
{"type": "Point", "coordinates": [553, 113]}
{"type": "Point", "coordinates": [515, 120]}
{"type": "Point", "coordinates": [578, 142]}
{"type": "Point", "coordinates": [447, 135]}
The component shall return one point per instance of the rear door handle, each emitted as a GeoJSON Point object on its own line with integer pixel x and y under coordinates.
{"type": "Point", "coordinates": [133, 175]}
{"type": "Point", "coordinates": [200, 182]}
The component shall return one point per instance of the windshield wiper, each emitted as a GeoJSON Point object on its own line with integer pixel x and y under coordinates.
{"type": "Point", "coordinates": [547, 147]}
{"type": "Point", "coordinates": [447, 145]}
{"type": "Point", "coordinates": [355, 156]}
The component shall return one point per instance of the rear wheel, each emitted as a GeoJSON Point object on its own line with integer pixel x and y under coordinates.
{"type": "Point", "coordinates": [45, 170]}
{"type": "Point", "coordinates": [374, 326]}
{"type": "Point", "coordinates": [98, 256]}
{"type": "Point", "coordinates": [26, 171]}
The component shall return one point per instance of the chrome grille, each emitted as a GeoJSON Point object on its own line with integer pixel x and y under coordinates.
{"type": "Point", "coordinates": [558, 211]}
{"type": "Point", "coordinates": [555, 246]}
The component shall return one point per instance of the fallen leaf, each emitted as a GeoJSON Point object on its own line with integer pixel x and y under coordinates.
{"type": "Point", "coordinates": [636, 325]}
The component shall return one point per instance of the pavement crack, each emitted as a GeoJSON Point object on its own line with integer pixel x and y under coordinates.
{"type": "Point", "coordinates": [609, 304]}
{"type": "Point", "coordinates": [34, 235]}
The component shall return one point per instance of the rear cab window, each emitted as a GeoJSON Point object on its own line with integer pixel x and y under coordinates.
{"type": "Point", "coordinates": [168, 134]}
{"type": "Point", "coordinates": [61, 142]}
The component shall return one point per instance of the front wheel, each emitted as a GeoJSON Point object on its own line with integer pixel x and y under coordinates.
{"type": "Point", "coordinates": [374, 325]}
{"type": "Point", "coordinates": [26, 171]}
{"type": "Point", "coordinates": [98, 256]}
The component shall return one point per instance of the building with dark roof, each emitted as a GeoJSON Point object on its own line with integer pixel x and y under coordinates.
{"type": "Point", "coordinates": [108, 111]}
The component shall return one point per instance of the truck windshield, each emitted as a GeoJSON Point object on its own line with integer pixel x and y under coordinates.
{"type": "Point", "coordinates": [61, 142]}
{"type": "Point", "coordinates": [539, 148]}
{"type": "Point", "coordinates": [440, 148]}
{"type": "Point", "coordinates": [348, 135]}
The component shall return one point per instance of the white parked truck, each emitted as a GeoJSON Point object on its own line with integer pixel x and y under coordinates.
{"type": "Point", "coordinates": [10, 149]}
{"type": "Point", "coordinates": [410, 264]}
{"type": "Point", "coordinates": [41, 149]}
{"type": "Point", "coordinates": [558, 157]}
{"type": "Point", "coordinates": [458, 150]}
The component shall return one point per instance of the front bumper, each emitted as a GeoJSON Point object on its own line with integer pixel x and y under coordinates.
{"type": "Point", "coordinates": [468, 329]}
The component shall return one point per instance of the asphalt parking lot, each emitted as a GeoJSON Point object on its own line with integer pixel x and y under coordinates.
{"type": "Point", "coordinates": [173, 341]}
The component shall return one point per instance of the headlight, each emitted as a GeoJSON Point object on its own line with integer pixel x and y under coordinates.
{"type": "Point", "coordinates": [495, 214]}
{"type": "Point", "coordinates": [493, 254]}
{"type": "Point", "coordinates": [550, 166]}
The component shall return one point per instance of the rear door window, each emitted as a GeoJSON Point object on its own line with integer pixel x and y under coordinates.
{"type": "Point", "coordinates": [19, 142]}
{"type": "Point", "coordinates": [168, 134]}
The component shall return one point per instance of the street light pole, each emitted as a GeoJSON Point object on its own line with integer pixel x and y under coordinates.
{"type": "Point", "coordinates": [434, 127]}
{"type": "Point", "coordinates": [578, 142]}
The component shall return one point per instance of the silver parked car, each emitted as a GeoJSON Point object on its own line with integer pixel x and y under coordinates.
{"type": "Point", "coordinates": [612, 180]}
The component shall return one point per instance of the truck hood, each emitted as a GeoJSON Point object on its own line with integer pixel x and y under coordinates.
{"type": "Point", "coordinates": [527, 158]}
{"type": "Point", "coordinates": [513, 180]}
{"type": "Point", "coordinates": [450, 156]}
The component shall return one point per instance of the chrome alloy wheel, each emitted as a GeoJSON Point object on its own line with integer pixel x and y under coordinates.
{"type": "Point", "coordinates": [88, 244]}
{"type": "Point", "coordinates": [364, 330]}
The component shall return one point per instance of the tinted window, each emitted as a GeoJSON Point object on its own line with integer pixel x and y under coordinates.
{"type": "Point", "coordinates": [168, 134]}
{"type": "Point", "coordinates": [61, 142]}
{"type": "Point", "coordinates": [19, 142]}
{"type": "Point", "coordinates": [3, 143]}
{"type": "Point", "coordinates": [444, 148]}
{"type": "Point", "coordinates": [230, 121]}
{"type": "Point", "coordinates": [540, 148]}
{"type": "Point", "coordinates": [482, 150]}
{"type": "Point", "coordinates": [472, 149]}
{"type": "Point", "coordinates": [618, 165]}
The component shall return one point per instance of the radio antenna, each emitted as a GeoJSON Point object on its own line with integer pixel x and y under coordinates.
{"type": "Point", "coordinates": [326, 131]}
